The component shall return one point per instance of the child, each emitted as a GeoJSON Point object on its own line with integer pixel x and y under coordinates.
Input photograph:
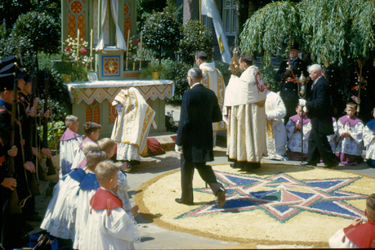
{"type": "Point", "coordinates": [92, 131]}
{"type": "Point", "coordinates": [350, 131]}
{"type": "Point", "coordinates": [357, 235]}
{"type": "Point", "coordinates": [108, 225]}
{"type": "Point", "coordinates": [108, 146]}
{"type": "Point", "coordinates": [369, 141]}
{"type": "Point", "coordinates": [293, 130]}
{"type": "Point", "coordinates": [69, 144]}
{"type": "Point", "coordinates": [59, 219]}
{"type": "Point", "coordinates": [87, 189]}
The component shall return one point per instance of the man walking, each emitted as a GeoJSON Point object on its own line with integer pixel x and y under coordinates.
{"type": "Point", "coordinates": [319, 110]}
{"type": "Point", "coordinates": [194, 137]}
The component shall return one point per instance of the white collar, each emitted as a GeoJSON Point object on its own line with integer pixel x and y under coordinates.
{"type": "Point", "coordinates": [195, 84]}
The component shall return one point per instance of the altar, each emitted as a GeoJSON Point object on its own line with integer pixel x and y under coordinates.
{"type": "Point", "coordinates": [91, 101]}
{"type": "Point", "coordinates": [100, 40]}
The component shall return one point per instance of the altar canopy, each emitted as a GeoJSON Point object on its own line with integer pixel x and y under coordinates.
{"type": "Point", "coordinates": [101, 90]}
{"type": "Point", "coordinates": [120, 42]}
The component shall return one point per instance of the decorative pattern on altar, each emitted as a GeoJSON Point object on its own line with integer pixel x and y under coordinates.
{"type": "Point", "coordinates": [101, 90]}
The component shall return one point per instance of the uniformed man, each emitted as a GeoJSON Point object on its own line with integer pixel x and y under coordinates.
{"type": "Point", "coordinates": [367, 89]}
{"type": "Point", "coordinates": [287, 76]}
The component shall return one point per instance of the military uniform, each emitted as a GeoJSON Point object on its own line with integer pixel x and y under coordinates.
{"type": "Point", "coordinates": [288, 83]}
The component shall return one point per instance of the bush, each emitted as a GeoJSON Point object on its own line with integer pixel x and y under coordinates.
{"type": "Point", "coordinates": [177, 72]}
{"type": "Point", "coordinates": [161, 31]}
{"type": "Point", "coordinates": [224, 69]}
{"type": "Point", "coordinates": [196, 37]}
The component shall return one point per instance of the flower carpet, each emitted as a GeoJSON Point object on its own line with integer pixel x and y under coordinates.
{"type": "Point", "coordinates": [276, 204]}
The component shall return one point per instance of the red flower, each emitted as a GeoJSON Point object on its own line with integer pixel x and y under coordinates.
{"type": "Point", "coordinates": [136, 41]}
{"type": "Point", "coordinates": [83, 51]}
{"type": "Point", "coordinates": [67, 48]}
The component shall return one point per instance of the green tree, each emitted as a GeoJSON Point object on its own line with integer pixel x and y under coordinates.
{"type": "Point", "coordinates": [196, 37]}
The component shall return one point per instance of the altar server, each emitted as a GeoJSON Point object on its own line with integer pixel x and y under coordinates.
{"type": "Point", "coordinates": [276, 134]}
{"type": "Point", "coordinates": [92, 132]}
{"type": "Point", "coordinates": [333, 138]}
{"type": "Point", "coordinates": [293, 129]}
{"type": "Point", "coordinates": [132, 125]}
{"type": "Point", "coordinates": [108, 225]}
{"type": "Point", "coordinates": [69, 144]}
{"type": "Point", "coordinates": [350, 130]}
{"type": "Point", "coordinates": [60, 216]}
{"type": "Point", "coordinates": [369, 141]}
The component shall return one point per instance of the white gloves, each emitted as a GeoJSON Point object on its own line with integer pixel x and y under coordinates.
{"type": "Point", "coordinates": [302, 102]}
{"type": "Point", "coordinates": [304, 109]}
{"type": "Point", "coordinates": [178, 149]}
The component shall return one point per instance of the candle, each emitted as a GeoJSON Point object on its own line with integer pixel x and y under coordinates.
{"type": "Point", "coordinates": [133, 66]}
{"type": "Point", "coordinates": [77, 45]}
{"type": "Point", "coordinates": [140, 53]}
{"type": "Point", "coordinates": [91, 42]}
{"type": "Point", "coordinates": [127, 49]}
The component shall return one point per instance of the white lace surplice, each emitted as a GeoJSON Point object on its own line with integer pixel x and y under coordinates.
{"type": "Point", "coordinates": [294, 143]}
{"type": "Point", "coordinates": [333, 138]}
{"type": "Point", "coordinates": [68, 151]}
{"type": "Point", "coordinates": [369, 143]}
{"type": "Point", "coordinates": [350, 145]}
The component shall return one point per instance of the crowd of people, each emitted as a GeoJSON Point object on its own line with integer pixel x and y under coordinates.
{"type": "Point", "coordinates": [90, 205]}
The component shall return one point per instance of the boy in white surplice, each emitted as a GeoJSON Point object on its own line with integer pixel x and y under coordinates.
{"type": "Point", "coordinates": [108, 225]}
{"type": "Point", "coordinates": [369, 141]}
{"type": "Point", "coordinates": [333, 138]}
{"type": "Point", "coordinates": [350, 130]}
{"type": "Point", "coordinates": [293, 129]}
{"type": "Point", "coordinates": [69, 144]}
{"type": "Point", "coordinates": [276, 134]}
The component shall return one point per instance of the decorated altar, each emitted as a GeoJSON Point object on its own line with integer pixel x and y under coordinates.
{"type": "Point", "coordinates": [92, 101]}
{"type": "Point", "coordinates": [100, 37]}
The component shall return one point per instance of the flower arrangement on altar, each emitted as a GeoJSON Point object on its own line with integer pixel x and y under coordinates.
{"type": "Point", "coordinates": [76, 52]}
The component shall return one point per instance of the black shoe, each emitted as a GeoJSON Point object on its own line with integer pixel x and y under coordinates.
{"type": "Point", "coordinates": [305, 163]}
{"type": "Point", "coordinates": [184, 202]}
{"type": "Point", "coordinates": [332, 165]}
{"type": "Point", "coordinates": [221, 197]}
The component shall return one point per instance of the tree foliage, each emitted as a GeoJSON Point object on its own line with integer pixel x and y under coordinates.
{"type": "Point", "coordinates": [196, 37]}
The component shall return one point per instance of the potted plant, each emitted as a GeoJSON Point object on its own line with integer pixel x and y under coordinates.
{"type": "Point", "coordinates": [155, 67]}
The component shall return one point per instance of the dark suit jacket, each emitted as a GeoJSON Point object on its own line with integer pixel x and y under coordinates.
{"type": "Point", "coordinates": [319, 108]}
{"type": "Point", "coordinates": [199, 109]}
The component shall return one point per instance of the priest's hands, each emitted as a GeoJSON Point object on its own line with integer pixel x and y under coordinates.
{"type": "Point", "coordinates": [178, 149]}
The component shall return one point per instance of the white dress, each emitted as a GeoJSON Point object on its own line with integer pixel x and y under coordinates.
{"type": "Point", "coordinates": [58, 219]}
{"type": "Point", "coordinates": [369, 143]}
{"type": "Point", "coordinates": [294, 143]}
{"type": "Point", "coordinates": [276, 134]}
{"type": "Point", "coordinates": [114, 231]}
{"type": "Point", "coordinates": [350, 145]}
{"type": "Point", "coordinates": [336, 241]}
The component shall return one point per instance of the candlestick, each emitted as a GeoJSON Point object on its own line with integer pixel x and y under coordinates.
{"type": "Point", "coordinates": [140, 53]}
{"type": "Point", "coordinates": [77, 45]}
{"type": "Point", "coordinates": [133, 66]}
{"type": "Point", "coordinates": [127, 49]}
{"type": "Point", "coordinates": [91, 42]}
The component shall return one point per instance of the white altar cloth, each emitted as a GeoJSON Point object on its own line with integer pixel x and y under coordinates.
{"type": "Point", "coordinates": [101, 90]}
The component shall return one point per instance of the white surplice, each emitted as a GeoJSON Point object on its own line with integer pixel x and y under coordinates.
{"type": "Point", "coordinates": [68, 150]}
{"type": "Point", "coordinates": [333, 138]}
{"type": "Point", "coordinates": [59, 219]}
{"type": "Point", "coordinates": [350, 145]}
{"type": "Point", "coordinates": [246, 133]}
{"type": "Point", "coordinates": [132, 124]}
{"type": "Point", "coordinates": [294, 143]}
{"type": "Point", "coordinates": [276, 134]}
{"type": "Point", "coordinates": [339, 240]}
{"type": "Point", "coordinates": [213, 80]}
{"type": "Point", "coordinates": [369, 142]}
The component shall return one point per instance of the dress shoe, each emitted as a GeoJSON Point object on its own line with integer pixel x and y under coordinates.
{"type": "Point", "coordinates": [305, 163]}
{"type": "Point", "coordinates": [221, 197]}
{"type": "Point", "coordinates": [183, 202]}
{"type": "Point", "coordinates": [332, 165]}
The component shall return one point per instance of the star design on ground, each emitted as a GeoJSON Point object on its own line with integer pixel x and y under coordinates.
{"type": "Point", "coordinates": [282, 197]}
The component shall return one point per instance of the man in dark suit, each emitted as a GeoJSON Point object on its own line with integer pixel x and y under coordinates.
{"type": "Point", "coordinates": [199, 110]}
{"type": "Point", "coordinates": [287, 76]}
{"type": "Point", "coordinates": [319, 110]}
